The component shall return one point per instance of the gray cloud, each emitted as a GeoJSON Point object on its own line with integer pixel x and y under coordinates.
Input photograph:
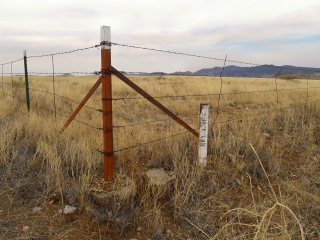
{"type": "Point", "coordinates": [253, 31]}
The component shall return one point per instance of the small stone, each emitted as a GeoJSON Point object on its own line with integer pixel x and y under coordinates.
{"type": "Point", "coordinates": [94, 190]}
{"type": "Point", "coordinates": [100, 190]}
{"type": "Point", "coordinates": [158, 177]}
{"type": "Point", "coordinates": [138, 229]}
{"type": "Point", "coordinates": [69, 209]}
{"type": "Point", "coordinates": [25, 228]}
{"type": "Point", "coordinates": [315, 159]}
{"type": "Point", "coordinates": [267, 135]}
{"type": "Point", "coordinates": [238, 182]}
{"type": "Point", "coordinates": [36, 209]}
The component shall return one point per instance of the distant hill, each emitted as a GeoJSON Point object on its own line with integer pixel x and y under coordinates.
{"type": "Point", "coordinates": [287, 71]}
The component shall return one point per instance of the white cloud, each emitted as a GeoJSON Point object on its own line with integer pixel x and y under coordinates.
{"type": "Point", "coordinates": [256, 31]}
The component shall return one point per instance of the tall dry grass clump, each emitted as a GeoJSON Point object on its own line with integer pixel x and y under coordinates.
{"type": "Point", "coordinates": [262, 179]}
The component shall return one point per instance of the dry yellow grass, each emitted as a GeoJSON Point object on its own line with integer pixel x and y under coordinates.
{"type": "Point", "coordinates": [209, 204]}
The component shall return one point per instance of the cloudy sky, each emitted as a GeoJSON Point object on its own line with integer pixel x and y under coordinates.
{"type": "Point", "coordinates": [276, 32]}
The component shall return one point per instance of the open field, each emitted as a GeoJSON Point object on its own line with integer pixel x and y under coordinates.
{"type": "Point", "coordinates": [262, 180]}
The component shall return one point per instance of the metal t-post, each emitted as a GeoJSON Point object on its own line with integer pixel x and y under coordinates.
{"type": "Point", "coordinates": [105, 41]}
{"type": "Point", "coordinates": [26, 78]}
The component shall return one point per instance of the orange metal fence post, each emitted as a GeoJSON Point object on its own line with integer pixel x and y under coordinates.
{"type": "Point", "coordinates": [105, 41]}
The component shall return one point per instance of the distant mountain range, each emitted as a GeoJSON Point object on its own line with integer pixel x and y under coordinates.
{"type": "Point", "coordinates": [262, 71]}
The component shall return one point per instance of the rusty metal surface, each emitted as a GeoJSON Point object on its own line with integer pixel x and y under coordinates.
{"type": "Point", "coordinates": [107, 114]}
{"type": "Point", "coordinates": [152, 100]}
{"type": "Point", "coordinates": [83, 102]}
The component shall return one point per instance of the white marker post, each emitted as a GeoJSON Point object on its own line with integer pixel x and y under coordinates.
{"type": "Point", "coordinates": [203, 134]}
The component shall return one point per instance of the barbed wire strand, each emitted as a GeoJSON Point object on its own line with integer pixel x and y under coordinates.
{"type": "Point", "coordinates": [197, 114]}
{"type": "Point", "coordinates": [191, 55]}
{"type": "Point", "coordinates": [209, 94]}
{"type": "Point", "coordinates": [66, 73]}
{"type": "Point", "coordinates": [58, 113]}
{"type": "Point", "coordinates": [249, 116]}
{"type": "Point", "coordinates": [56, 73]}
{"type": "Point", "coordinates": [52, 111]}
{"type": "Point", "coordinates": [211, 125]}
{"type": "Point", "coordinates": [204, 57]}
{"type": "Point", "coordinates": [58, 53]}
{"type": "Point", "coordinates": [20, 59]}
{"type": "Point", "coordinates": [15, 97]}
{"type": "Point", "coordinates": [165, 51]}
{"type": "Point", "coordinates": [65, 52]}
{"type": "Point", "coordinates": [69, 99]}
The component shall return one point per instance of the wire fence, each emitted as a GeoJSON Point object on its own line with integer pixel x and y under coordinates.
{"type": "Point", "coordinates": [266, 108]}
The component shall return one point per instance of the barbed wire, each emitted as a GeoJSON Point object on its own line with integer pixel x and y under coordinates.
{"type": "Point", "coordinates": [52, 111]}
{"type": "Point", "coordinates": [65, 52]}
{"type": "Point", "coordinates": [14, 74]}
{"type": "Point", "coordinates": [76, 120]}
{"type": "Point", "coordinates": [12, 96]}
{"type": "Point", "coordinates": [164, 51]}
{"type": "Point", "coordinates": [209, 94]}
{"type": "Point", "coordinates": [211, 58]}
{"type": "Point", "coordinates": [249, 116]}
{"type": "Point", "coordinates": [69, 99]}
{"type": "Point", "coordinates": [65, 73]}
{"type": "Point", "coordinates": [197, 114]}
{"type": "Point", "coordinates": [14, 61]}
{"type": "Point", "coordinates": [47, 92]}
{"type": "Point", "coordinates": [210, 125]}
{"type": "Point", "coordinates": [163, 74]}
{"type": "Point", "coordinates": [160, 73]}
{"type": "Point", "coordinates": [50, 54]}
{"type": "Point", "coordinates": [14, 85]}
{"type": "Point", "coordinates": [153, 141]}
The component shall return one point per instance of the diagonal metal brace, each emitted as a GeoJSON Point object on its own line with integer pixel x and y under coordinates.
{"type": "Point", "coordinates": [83, 102]}
{"type": "Point", "coordinates": [153, 101]}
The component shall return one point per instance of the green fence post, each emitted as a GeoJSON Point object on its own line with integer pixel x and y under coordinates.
{"type": "Point", "coordinates": [26, 78]}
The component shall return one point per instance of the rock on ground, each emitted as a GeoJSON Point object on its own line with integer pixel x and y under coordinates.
{"type": "Point", "coordinates": [36, 209]}
{"type": "Point", "coordinates": [69, 209]}
{"type": "Point", "coordinates": [266, 135]}
{"type": "Point", "coordinates": [158, 177]}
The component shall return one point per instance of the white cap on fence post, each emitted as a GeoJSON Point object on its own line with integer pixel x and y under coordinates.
{"type": "Point", "coordinates": [24, 53]}
{"type": "Point", "coordinates": [105, 37]}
